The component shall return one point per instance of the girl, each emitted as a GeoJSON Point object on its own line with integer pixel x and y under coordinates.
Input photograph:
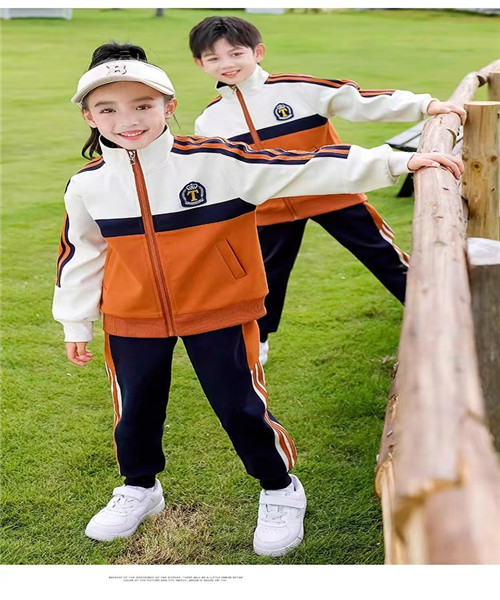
{"type": "Point", "coordinates": [160, 237]}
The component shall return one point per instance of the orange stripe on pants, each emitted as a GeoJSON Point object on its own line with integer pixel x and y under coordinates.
{"type": "Point", "coordinates": [113, 383]}
{"type": "Point", "coordinates": [251, 337]}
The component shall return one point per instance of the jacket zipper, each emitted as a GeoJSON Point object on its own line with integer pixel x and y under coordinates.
{"type": "Point", "coordinates": [149, 231]}
{"type": "Point", "coordinates": [253, 132]}
{"type": "Point", "coordinates": [257, 141]}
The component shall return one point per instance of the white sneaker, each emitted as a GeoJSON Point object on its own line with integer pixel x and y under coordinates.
{"type": "Point", "coordinates": [280, 526]}
{"type": "Point", "coordinates": [263, 352]}
{"type": "Point", "coordinates": [126, 510]}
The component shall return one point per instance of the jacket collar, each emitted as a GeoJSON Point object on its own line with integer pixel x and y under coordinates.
{"type": "Point", "coordinates": [150, 157]}
{"type": "Point", "coordinates": [251, 85]}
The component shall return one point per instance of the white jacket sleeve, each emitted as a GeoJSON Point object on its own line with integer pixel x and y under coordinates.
{"type": "Point", "coordinates": [265, 174]}
{"type": "Point", "coordinates": [197, 127]}
{"type": "Point", "coordinates": [80, 270]}
{"type": "Point", "coordinates": [354, 104]}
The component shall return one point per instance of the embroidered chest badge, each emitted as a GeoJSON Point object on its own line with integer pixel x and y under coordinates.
{"type": "Point", "coordinates": [283, 111]}
{"type": "Point", "coordinates": [193, 194]}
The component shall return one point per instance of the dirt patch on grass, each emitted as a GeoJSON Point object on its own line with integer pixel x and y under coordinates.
{"type": "Point", "coordinates": [178, 535]}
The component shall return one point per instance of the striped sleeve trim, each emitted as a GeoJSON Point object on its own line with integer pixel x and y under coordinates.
{"type": "Point", "coordinates": [97, 163]}
{"type": "Point", "coordinates": [66, 251]}
{"type": "Point", "coordinates": [374, 93]}
{"type": "Point", "coordinates": [334, 83]}
{"type": "Point", "coordinates": [214, 101]}
{"type": "Point", "coordinates": [335, 151]}
{"type": "Point", "coordinates": [296, 78]}
{"type": "Point", "coordinates": [242, 152]}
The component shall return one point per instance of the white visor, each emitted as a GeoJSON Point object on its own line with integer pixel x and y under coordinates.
{"type": "Point", "coordinates": [123, 70]}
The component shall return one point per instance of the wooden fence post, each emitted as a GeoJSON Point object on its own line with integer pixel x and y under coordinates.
{"type": "Point", "coordinates": [480, 182]}
{"type": "Point", "coordinates": [437, 474]}
{"type": "Point", "coordinates": [484, 273]}
{"type": "Point", "coordinates": [494, 86]}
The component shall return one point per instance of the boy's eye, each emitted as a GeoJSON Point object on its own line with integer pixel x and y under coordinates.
{"type": "Point", "coordinates": [143, 107]}
{"type": "Point", "coordinates": [106, 110]}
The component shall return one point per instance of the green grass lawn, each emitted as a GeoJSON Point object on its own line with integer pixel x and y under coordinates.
{"type": "Point", "coordinates": [330, 364]}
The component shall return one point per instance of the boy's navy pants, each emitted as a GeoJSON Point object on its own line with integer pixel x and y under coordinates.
{"type": "Point", "coordinates": [227, 365]}
{"type": "Point", "coordinates": [358, 228]}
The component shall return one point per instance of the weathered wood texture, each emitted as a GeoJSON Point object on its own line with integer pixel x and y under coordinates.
{"type": "Point", "coordinates": [480, 182]}
{"type": "Point", "coordinates": [441, 465]}
{"type": "Point", "coordinates": [384, 482]}
{"type": "Point", "coordinates": [484, 271]}
{"type": "Point", "coordinates": [494, 86]}
{"type": "Point", "coordinates": [485, 73]}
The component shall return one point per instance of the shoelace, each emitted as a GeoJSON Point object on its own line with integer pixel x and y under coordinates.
{"type": "Point", "coordinates": [274, 513]}
{"type": "Point", "coordinates": [121, 504]}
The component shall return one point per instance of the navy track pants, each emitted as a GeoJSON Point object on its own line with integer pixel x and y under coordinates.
{"type": "Point", "coordinates": [227, 365]}
{"type": "Point", "coordinates": [358, 228]}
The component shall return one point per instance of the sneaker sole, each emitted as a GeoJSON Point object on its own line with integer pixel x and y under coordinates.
{"type": "Point", "coordinates": [280, 551]}
{"type": "Point", "coordinates": [103, 537]}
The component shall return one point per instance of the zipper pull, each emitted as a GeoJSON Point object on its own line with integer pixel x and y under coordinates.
{"type": "Point", "coordinates": [132, 155]}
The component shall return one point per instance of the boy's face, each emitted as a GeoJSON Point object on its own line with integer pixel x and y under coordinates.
{"type": "Point", "coordinates": [230, 64]}
{"type": "Point", "coordinates": [128, 113]}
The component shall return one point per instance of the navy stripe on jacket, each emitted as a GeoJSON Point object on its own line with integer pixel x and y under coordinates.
{"type": "Point", "coordinates": [192, 217]}
{"type": "Point", "coordinates": [281, 129]}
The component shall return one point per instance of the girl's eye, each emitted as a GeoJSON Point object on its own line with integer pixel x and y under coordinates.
{"type": "Point", "coordinates": [143, 107]}
{"type": "Point", "coordinates": [106, 110]}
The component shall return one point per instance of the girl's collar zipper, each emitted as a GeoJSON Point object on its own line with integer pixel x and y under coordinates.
{"type": "Point", "coordinates": [152, 244]}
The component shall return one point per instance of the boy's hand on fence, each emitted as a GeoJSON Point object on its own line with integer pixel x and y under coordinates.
{"type": "Point", "coordinates": [437, 108]}
{"type": "Point", "coordinates": [433, 159]}
{"type": "Point", "coordinates": [77, 353]}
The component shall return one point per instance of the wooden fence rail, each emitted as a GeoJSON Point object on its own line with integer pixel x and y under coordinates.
{"type": "Point", "coordinates": [438, 475]}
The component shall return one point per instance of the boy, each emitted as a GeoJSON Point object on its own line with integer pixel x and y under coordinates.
{"type": "Point", "coordinates": [292, 112]}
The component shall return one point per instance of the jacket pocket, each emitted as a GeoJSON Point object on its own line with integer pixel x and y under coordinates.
{"type": "Point", "coordinates": [128, 284]}
{"type": "Point", "coordinates": [230, 258]}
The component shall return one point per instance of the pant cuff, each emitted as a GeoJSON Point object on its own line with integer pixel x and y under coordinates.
{"type": "Point", "coordinates": [145, 482]}
{"type": "Point", "coordinates": [276, 484]}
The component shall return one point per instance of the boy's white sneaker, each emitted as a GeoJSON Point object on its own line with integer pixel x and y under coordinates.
{"type": "Point", "coordinates": [280, 526]}
{"type": "Point", "coordinates": [126, 510]}
{"type": "Point", "coordinates": [263, 352]}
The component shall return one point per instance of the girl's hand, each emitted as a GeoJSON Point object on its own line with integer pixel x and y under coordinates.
{"type": "Point", "coordinates": [434, 159]}
{"type": "Point", "coordinates": [77, 353]}
{"type": "Point", "coordinates": [437, 108]}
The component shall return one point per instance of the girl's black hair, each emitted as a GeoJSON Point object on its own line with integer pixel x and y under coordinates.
{"type": "Point", "coordinates": [106, 53]}
{"type": "Point", "coordinates": [236, 31]}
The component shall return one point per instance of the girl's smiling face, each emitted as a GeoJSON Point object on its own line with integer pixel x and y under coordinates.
{"type": "Point", "coordinates": [128, 113]}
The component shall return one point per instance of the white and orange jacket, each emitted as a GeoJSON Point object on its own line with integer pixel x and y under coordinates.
{"type": "Point", "coordinates": [163, 240]}
{"type": "Point", "coordinates": [292, 112]}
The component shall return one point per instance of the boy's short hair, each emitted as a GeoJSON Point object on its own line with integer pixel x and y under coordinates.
{"type": "Point", "coordinates": [236, 31]}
